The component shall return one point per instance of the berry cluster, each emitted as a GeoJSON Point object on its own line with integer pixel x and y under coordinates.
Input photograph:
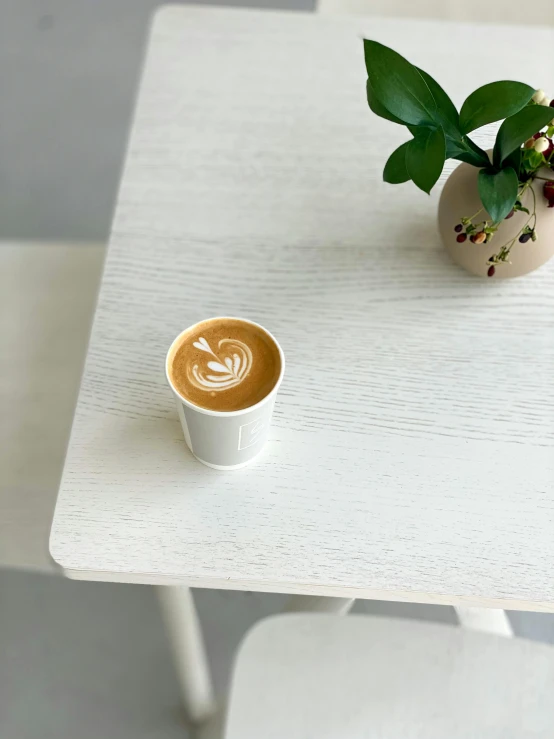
{"type": "Point", "coordinates": [479, 231]}
{"type": "Point", "coordinates": [483, 231]}
{"type": "Point", "coordinates": [541, 98]}
{"type": "Point", "coordinates": [540, 143]}
{"type": "Point", "coordinates": [476, 236]}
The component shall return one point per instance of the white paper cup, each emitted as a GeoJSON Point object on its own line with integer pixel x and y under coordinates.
{"type": "Point", "coordinates": [225, 440]}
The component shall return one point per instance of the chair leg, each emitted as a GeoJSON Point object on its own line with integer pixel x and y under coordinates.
{"type": "Point", "coordinates": [185, 635]}
{"type": "Point", "coordinates": [318, 604]}
{"type": "Point", "coordinates": [488, 620]}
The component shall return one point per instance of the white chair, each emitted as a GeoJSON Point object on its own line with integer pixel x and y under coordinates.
{"type": "Point", "coordinates": [326, 677]}
{"type": "Point", "coordinates": [47, 296]}
{"type": "Point", "coordinates": [540, 13]}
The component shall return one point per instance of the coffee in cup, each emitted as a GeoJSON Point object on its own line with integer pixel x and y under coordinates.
{"type": "Point", "coordinates": [225, 364]}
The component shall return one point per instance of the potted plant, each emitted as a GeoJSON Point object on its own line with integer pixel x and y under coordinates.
{"type": "Point", "coordinates": [494, 215]}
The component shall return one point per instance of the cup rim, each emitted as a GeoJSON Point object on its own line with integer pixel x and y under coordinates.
{"type": "Point", "coordinates": [225, 414]}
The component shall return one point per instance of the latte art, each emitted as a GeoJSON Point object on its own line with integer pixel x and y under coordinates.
{"type": "Point", "coordinates": [233, 363]}
{"type": "Point", "coordinates": [224, 364]}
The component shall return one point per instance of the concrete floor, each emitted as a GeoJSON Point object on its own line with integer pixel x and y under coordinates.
{"type": "Point", "coordinates": [90, 660]}
{"type": "Point", "coordinates": [83, 660]}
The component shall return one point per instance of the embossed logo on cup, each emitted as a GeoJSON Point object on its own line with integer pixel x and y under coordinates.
{"type": "Point", "coordinates": [250, 433]}
{"type": "Point", "coordinates": [233, 363]}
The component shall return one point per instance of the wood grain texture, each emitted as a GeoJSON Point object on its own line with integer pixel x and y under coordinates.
{"type": "Point", "coordinates": [411, 454]}
{"type": "Point", "coordinates": [358, 677]}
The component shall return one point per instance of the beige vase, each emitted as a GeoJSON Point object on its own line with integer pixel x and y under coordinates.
{"type": "Point", "coordinates": [460, 198]}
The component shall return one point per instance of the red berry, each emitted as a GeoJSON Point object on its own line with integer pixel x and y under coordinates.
{"type": "Point", "coordinates": [461, 238]}
{"type": "Point", "coordinates": [491, 271]}
{"type": "Point", "coordinates": [472, 238]}
{"type": "Point", "coordinates": [537, 135]}
{"type": "Point", "coordinates": [480, 237]}
{"type": "Point", "coordinates": [458, 228]}
{"type": "Point", "coordinates": [548, 190]}
{"type": "Point", "coordinates": [510, 214]}
{"type": "Point", "coordinates": [552, 103]}
{"type": "Point", "coordinates": [551, 203]}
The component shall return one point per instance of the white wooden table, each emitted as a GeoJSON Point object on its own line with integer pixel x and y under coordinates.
{"type": "Point", "coordinates": [412, 453]}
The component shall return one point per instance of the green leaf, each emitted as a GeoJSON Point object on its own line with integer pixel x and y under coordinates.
{"type": "Point", "coordinates": [498, 192]}
{"type": "Point", "coordinates": [480, 153]}
{"type": "Point", "coordinates": [395, 170]}
{"type": "Point", "coordinates": [446, 113]}
{"type": "Point", "coordinates": [536, 159]}
{"type": "Point", "coordinates": [468, 151]}
{"type": "Point", "coordinates": [513, 160]}
{"type": "Point", "coordinates": [470, 158]}
{"type": "Point", "coordinates": [377, 107]}
{"type": "Point", "coordinates": [397, 85]}
{"type": "Point", "coordinates": [493, 102]}
{"type": "Point", "coordinates": [465, 150]}
{"type": "Point", "coordinates": [425, 157]}
{"type": "Point", "coordinates": [518, 128]}
{"type": "Point", "coordinates": [453, 148]}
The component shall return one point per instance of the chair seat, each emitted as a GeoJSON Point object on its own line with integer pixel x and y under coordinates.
{"type": "Point", "coordinates": [47, 297]}
{"type": "Point", "coordinates": [326, 677]}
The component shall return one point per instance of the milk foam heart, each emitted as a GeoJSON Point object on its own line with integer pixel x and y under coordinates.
{"type": "Point", "coordinates": [233, 363]}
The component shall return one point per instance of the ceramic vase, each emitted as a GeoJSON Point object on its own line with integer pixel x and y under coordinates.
{"type": "Point", "coordinates": [460, 198]}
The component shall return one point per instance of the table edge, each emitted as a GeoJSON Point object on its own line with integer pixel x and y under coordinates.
{"type": "Point", "coordinates": [330, 591]}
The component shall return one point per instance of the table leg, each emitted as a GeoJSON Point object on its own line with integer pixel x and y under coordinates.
{"type": "Point", "coordinates": [318, 604]}
{"type": "Point", "coordinates": [213, 728]}
{"type": "Point", "coordinates": [489, 620]}
{"type": "Point", "coordinates": [185, 635]}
